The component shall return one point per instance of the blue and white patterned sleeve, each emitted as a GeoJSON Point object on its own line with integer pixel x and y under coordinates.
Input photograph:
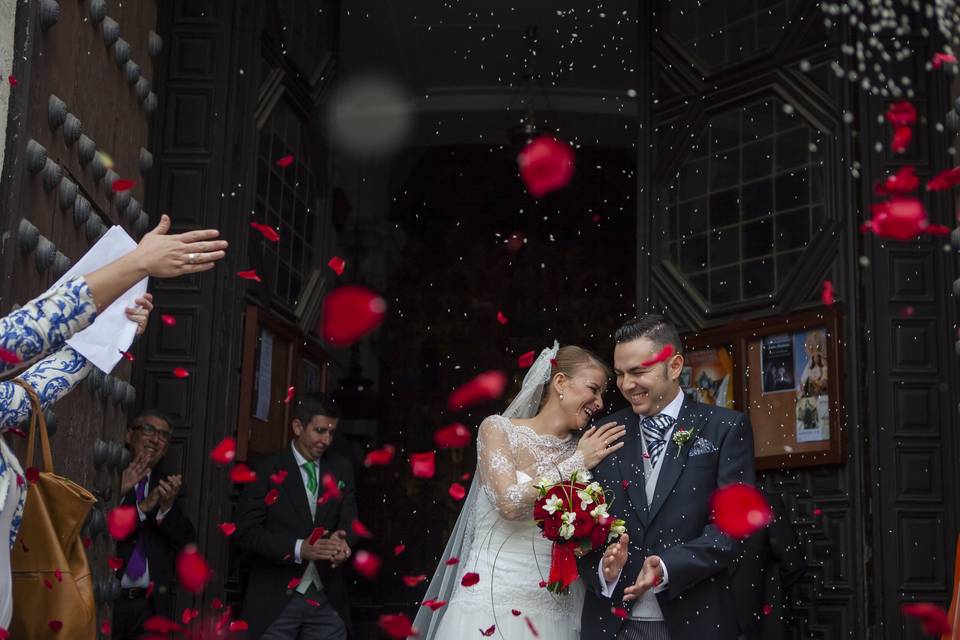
{"type": "Point", "coordinates": [52, 378]}
{"type": "Point", "coordinates": [45, 323]}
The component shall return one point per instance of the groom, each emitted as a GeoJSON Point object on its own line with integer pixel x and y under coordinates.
{"type": "Point", "coordinates": [667, 578]}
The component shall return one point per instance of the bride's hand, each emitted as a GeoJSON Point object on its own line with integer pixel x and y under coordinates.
{"type": "Point", "coordinates": [599, 442]}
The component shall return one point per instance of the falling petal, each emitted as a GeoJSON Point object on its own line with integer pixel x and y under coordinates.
{"type": "Point", "coordinates": [827, 294]}
{"type": "Point", "coordinates": [546, 164]}
{"type": "Point", "coordinates": [944, 180]}
{"type": "Point", "coordinates": [620, 612]}
{"type": "Point", "coordinates": [180, 372]}
{"type": "Point", "coordinates": [502, 319]}
{"type": "Point", "coordinates": [380, 457]}
{"type": "Point", "coordinates": [400, 548]}
{"type": "Point", "coordinates": [526, 359]}
{"type": "Point", "coordinates": [12, 80]}
{"type": "Point", "coordinates": [662, 356]}
{"type": "Point", "coordinates": [901, 114]}
{"type": "Point", "coordinates": [412, 581]}
{"type": "Point", "coordinates": [55, 625]}
{"type": "Point", "coordinates": [278, 477]}
{"type": "Point", "coordinates": [294, 582]}
{"type": "Point", "coordinates": [168, 319]}
{"type": "Point", "coordinates": [939, 59]}
{"type": "Point", "coordinates": [360, 529]}
{"type": "Point", "coordinates": [366, 564]}
{"type": "Point", "coordinates": [904, 181]}
{"type": "Point", "coordinates": [486, 386]}
{"type": "Point", "coordinates": [516, 612]}
{"type": "Point", "coordinates": [238, 625]}
{"type": "Point", "coordinates": [271, 498]}
{"type": "Point", "coordinates": [250, 274]}
{"type": "Point", "coordinates": [121, 521]}
{"type": "Point", "coordinates": [127, 356]}
{"type": "Point", "coordinates": [901, 139]}
{"type": "Point", "coordinates": [159, 624]}
{"type": "Point", "coordinates": [338, 264]}
{"type": "Point", "coordinates": [469, 579]}
{"type": "Point", "coordinates": [266, 231]}
{"type": "Point", "coordinates": [740, 510]}
{"type": "Point", "coordinates": [9, 357]}
{"type": "Point", "coordinates": [316, 534]}
{"type": "Point", "coordinates": [423, 465]}
{"type": "Point", "coordinates": [189, 615]}
{"type": "Point", "coordinates": [192, 570]}
{"type": "Point", "coordinates": [932, 618]}
{"type": "Point", "coordinates": [285, 161]}
{"type": "Point", "coordinates": [767, 608]}
{"type": "Point", "coordinates": [433, 605]}
{"type": "Point", "coordinates": [456, 491]}
{"type": "Point", "coordinates": [349, 313]}
{"type": "Point", "coordinates": [121, 185]}
{"type": "Point", "coordinates": [290, 393]}
{"type": "Point", "coordinates": [489, 630]}
{"type": "Point", "coordinates": [397, 626]}
{"type": "Point", "coordinates": [32, 474]}
{"type": "Point", "coordinates": [454, 436]}
{"type": "Point", "coordinates": [897, 218]}
{"type": "Point", "coordinates": [225, 451]}
{"type": "Point", "coordinates": [533, 629]}
{"type": "Point", "coordinates": [105, 628]}
{"type": "Point", "coordinates": [228, 528]}
{"type": "Point", "coordinates": [242, 474]}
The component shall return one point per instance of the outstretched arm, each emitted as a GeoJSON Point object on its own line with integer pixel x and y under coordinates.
{"type": "Point", "coordinates": [52, 378]}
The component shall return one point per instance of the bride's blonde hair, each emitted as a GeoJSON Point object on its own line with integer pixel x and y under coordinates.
{"type": "Point", "coordinates": [569, 360]}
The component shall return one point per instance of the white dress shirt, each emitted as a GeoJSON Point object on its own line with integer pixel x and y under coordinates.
{"type": "Point", "coordinates": [310, 575]}
{"type": "Point", "coordinates": [647, 607]}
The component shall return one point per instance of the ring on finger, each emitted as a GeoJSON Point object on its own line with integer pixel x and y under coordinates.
{"type": "Point", "coordinates": [191, 257]}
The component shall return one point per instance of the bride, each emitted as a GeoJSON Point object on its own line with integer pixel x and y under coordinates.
{"type": "Point", "coordinates": [495, 536]}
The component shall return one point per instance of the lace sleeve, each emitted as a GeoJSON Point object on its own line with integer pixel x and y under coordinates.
{"type": "Point", "coordinates": [498, 472]}
{"type": "Point", "coordinates": [46, 322]}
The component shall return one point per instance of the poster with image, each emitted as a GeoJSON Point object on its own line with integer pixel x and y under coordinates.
{"type": "Point", "coordinates": [776, 361]}
{"type": "Point", "coordinates": [707, 376]}
{"type": "Point", "coordinates": [811, 372]}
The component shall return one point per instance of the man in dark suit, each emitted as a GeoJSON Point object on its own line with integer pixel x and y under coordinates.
{"type": "Point", "coordinates": [772, 562]}
{"type": "Point", "coordinates": [667, 577]}
{"type": "Point", "coordinates": [149, 554]}
{"type": "Point", "coordinates": [295, 590]}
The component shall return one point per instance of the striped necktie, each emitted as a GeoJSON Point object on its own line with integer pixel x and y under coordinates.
{"type": "Point", "coordinates": [654, 431]}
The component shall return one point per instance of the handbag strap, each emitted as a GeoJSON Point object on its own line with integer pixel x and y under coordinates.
{"type": "Point", "coordinates": [36, 415]}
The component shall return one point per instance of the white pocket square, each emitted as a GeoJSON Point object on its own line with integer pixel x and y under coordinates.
{"type": "Point", "coordinates": [702, 446]}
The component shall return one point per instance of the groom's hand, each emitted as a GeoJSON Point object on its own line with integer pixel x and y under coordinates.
{"type": "Point", "coordinates": [650, 576]}
{"type": "Point", "coordinates": [615, 557]}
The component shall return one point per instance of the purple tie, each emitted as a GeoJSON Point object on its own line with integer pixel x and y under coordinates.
{"type": "Point", "coordinates": [137, 565]}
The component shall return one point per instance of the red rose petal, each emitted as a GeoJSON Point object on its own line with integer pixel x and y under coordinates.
{"type": "Point", "coordinates": [767, 608]}
{"type": "Point", "coordinates": [454, 436]}
{"type": "Point", "coordinates": [662, 356]}
{"type": "Point", "coordinates": [9, 357]}
{"type": "Point", "coordinates": [624, 483]}
{"type": "Point", "coordinates": [188, 615]}
{"type": "Point", "coordinates": [272, 496]}
{"type": "Point", "coordinates": [58, 575]}
{"type": "Point", "coordinates": [620, 612]}
{"type": "Point", "coordinates": [489, 631]}
{"type": "Point", "coordinates": [20, 433]}
{"type": "Point", "coordinates": [32, 474]}
{"type": "Point", "coordinates": [452, 561]}
{"type": "Point", "coordinates": [366, 564]}
{"type": "Point", "coordinates": [360, 529]}
{"type": "Point", "coordinates": [486, 386]}
{"type": "Point", "coordinates": [168, 319]}
{"type": "Point", "coordinates": [817, 511]}
{"type": "Point", "coordinates": [465, 476]}
{"type": "Point", "coordinates": [423, 465]}
{"type": "Point", "coordinates": [268, 232]}
{"type": "Point", "coordinates": [12, 80]}
{"type": "Point", "coordinates": [502, 319]}
{"type": "Point", "coordinates": [400, 548]}
{"type": "Point", "coordinates": [293, 584]}
{"type": "Point", "coordinates": [278, 477]}
{"type": "Point", "coordinates": [228, 528]}
{"type": "Point", "coordinates": [239, 625]}
{"type": "Point", "coordinates": [216, 604]}
{"type": "Point", "coordinates": [180, 372]}
{"type": "Point", "coordinates": [349, 313]}
{"type": "Point", "coordinates": [516, 612]}
{"type": "Point", "coordinates": [316, 534]}
{"type": "Point", "coordinates": [901, 114]}
{"type": "Point", "coordinates": [543, 584]}
{"type": "Point", "coordinates": [533, 629]}
{"type": "Point", "coordinates": [250, 274]}
{"type": "Point", "coordinates": [740, 509]}
{"type": "Point", "coordinates": [114, 562]}
{"type": "Point", "coordinates": [150, 587]}
{"type": "Point", "coordinates": [939, 59]}
{"type": "Point", "coordinates": [827, 294]}
{"type": "Point", "coordinates": [338, 264]}
{"type": "Point", "coordinates": [412, 581]}
{"type": "Point", "coordinates": [192, 570]}
{"type": "Point", "coordinates": [331, 489]}
{"type": "Point", "coordinates": [904, 181]}
{"type": "Point", "coordinates": [121, 185]}
{"type": "Point", "coordinates": [127, 356]}
{"type": "Point", "coordinates": [433, 605]}
{"type": "Point", "coordinates": [469, 579]}
{"type": "Point", "coordinates": [285, 161]}
{"type": "Point", "coordinates": [55, 625]}
{"type": "Point", "coordinates": [290, 393]}
{"type": "Point", "coordinates": [932, 618]}
{"type": "Point", "coordinates": [242, 474]}
{"type": "Point", "coordinates": [456, 491]}
{"type": "Point", "coordinates": [937, 230]}
{"type": "Point", "coordinates": [526, 359]}
{"type": "Point", "coordinates": [312, 602]}
{"type": "Point", "coordinates": [48, 584]}
{"type": "Point", "coordinates": [121, 522]}
{"type": "Point", "coordinates": [159, 624]}
{"type": "Point", "coordinates": [897, 218]}
{"type": "Point", "coordinates": [225, 451]}
{"type": "Point", "coordinates": [379, 457]}
{"type": "Point", "coordinates": [396, 625]}
{"type": "Point", "coordinates": [546, 164]}
{"type": "Point", "coordinates": [105, 628]}
{"type": "Point", "coordinates": [901, 139]}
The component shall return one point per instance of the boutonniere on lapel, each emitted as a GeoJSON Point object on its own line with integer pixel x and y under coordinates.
{"type": "Point", "coordinates": [681, 437]}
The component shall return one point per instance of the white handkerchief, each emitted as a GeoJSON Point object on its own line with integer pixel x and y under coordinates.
{"type": "Point", "coordinates": [111, 333]}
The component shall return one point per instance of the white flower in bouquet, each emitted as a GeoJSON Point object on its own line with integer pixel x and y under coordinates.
{"type": "Point", "coordinates": [586, 498]}
{"type": "Point", "coordinates": [599, 512]}
{"type": "Point", "coordinates": [543, 485]}
{"type": "Point", "coordinates": [618, 529]}
{"type": "Point", "coordinates": [552, 504]}
{"type": "Point", "coordinates": [566, 529]}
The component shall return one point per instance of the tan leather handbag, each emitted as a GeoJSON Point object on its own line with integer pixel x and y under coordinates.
{"type": "Point", "coordinates": [48, 550]}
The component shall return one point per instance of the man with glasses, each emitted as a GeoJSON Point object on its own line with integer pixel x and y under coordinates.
{"type": "Point", "coordinates": [149, 554]}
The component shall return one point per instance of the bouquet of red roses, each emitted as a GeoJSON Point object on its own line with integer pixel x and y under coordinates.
{"type": "Point", "coordinates": [573, 514]}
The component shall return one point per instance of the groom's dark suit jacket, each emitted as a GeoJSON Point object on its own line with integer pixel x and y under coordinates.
{"type": "Point", "coordinates": [697, 603]}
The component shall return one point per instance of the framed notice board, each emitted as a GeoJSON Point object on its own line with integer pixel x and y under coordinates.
{"type": "Point", "coordinates": [785, 374]}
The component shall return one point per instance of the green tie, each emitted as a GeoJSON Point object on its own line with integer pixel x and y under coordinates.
{"type": "Point", "coordinates": [311, 468]}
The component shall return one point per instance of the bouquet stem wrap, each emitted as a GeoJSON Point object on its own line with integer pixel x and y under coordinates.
{"type": "Point", "coordinates": [563, 567]}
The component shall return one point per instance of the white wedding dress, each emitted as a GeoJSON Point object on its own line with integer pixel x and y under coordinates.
{"type": "Point", "coordinates": [504, 546]}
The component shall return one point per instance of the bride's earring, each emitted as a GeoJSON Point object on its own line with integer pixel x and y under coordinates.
{"type": "Point", "coordinates": [561, 396]}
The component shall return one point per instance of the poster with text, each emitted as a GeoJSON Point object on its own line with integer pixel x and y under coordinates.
{"type": "Point", "coordinates": [776, 361]}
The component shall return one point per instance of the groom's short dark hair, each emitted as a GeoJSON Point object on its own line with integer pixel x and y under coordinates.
{"type": "Point", "coordinates": [655, 327]}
